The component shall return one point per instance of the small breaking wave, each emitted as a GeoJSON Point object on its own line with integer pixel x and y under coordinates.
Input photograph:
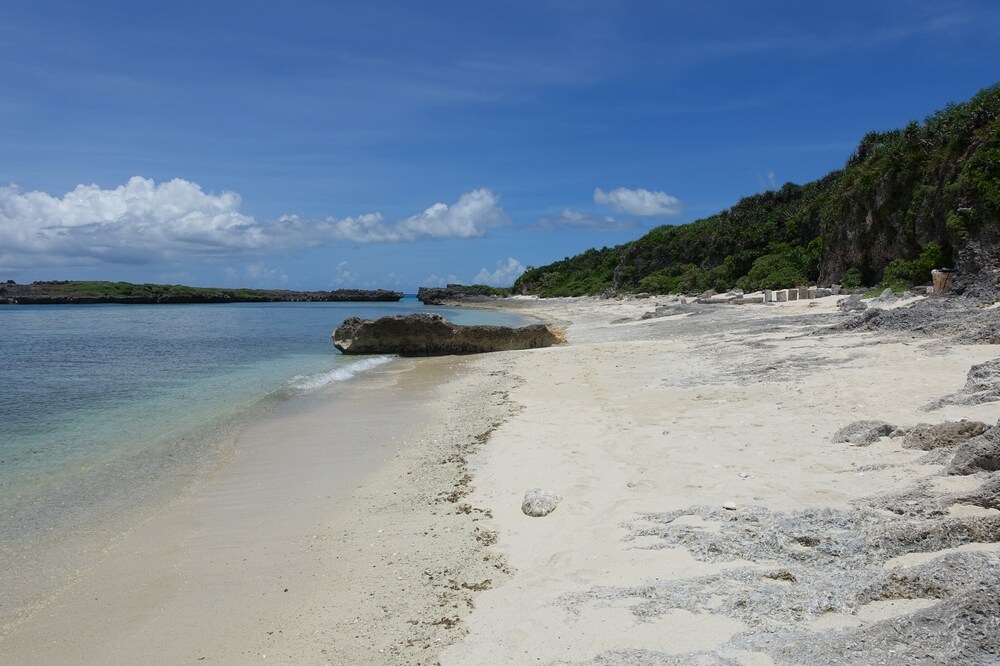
{"type": "Point", "coordinates": [343, 373]}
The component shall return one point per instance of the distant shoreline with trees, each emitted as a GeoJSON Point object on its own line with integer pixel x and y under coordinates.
{"type": "Point", "coordinates": [73, 292]}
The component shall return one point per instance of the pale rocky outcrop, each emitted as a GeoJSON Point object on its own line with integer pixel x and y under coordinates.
{"type": "Point", "coordinates": [982, 385]}
{"type": "Point", "coordinates": [428, 334]}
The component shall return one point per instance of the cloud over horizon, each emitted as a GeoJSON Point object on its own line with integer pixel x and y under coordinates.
{"type": "Point", "coordinates": [569, 218]}
{"type": "Point", "coordinates": [639, 202]}
{"type": "Point", "coordinates": [503, 276]}
{"type": "Point", "coordinates": [145, 222]}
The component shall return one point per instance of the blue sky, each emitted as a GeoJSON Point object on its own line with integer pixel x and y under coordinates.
{"type": "Point", "coordinates": [318, 145]}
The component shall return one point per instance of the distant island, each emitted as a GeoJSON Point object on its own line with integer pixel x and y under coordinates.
{"type": "Point", "coordinates": [73, 292]}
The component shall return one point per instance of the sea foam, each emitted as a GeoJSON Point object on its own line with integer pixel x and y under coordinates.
{"type": "Point", "coordinates": [343, 373]}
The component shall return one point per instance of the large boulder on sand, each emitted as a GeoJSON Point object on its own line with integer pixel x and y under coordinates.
{"type": "Point", "coordinates": [979, 454]}
{"type": "Point", "coordinates": [428, 334]}
{"type": "Point", "coordinates": [927, 437]}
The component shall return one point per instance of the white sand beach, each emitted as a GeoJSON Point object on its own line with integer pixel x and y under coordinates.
{"type": "Point", "coordinates": [640, 418]}
{"type": "Point", "coordinates": [705, 513]}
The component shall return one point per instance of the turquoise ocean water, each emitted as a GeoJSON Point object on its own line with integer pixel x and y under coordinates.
{"type": "Point", "coordinates": [99, 401]}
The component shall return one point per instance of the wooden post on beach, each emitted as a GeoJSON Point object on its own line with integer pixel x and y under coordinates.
{"type": "Point", "coordinates": [941, 280]}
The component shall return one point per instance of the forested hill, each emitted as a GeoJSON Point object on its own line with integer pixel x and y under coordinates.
{"type": "Point", "coordinates": [908, 200]}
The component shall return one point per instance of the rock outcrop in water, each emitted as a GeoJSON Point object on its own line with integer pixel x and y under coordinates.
{"type": "Point", "coordinates": [427, 334]}
{"type": "Point", "coordinates": [380, 295]}
{"type": "Point", "coordinates": [457, 293]}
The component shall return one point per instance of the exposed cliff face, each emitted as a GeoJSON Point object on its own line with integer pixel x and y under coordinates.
{"type": "Point", "coordinates": [978, 258]}
{"type": "Point", "coordinates": [868, 227]}
{"type": "Point", "coordinates": [936, 183]}
{"type": "Point", "coordinates": [426, 334]}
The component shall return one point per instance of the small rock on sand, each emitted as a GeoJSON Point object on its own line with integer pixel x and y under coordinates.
{"type": "Point", "coordinates": [538, 502]}
{"type": "Point", "coordinates": [852, 303]}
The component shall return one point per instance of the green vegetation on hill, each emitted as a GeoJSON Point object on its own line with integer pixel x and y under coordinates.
{"type": "Point", "coordinates": [82, 292]}
{"type": "Point", "coordinates": [589, 273]}
{"type": "Point", "coordinates": [478, 290]}
{"type": "Point", "coordinates": [122, 290]}
{"type": "Point", "coordinates": [908, 200]}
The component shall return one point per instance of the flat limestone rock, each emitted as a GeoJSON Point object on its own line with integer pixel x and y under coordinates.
{"type": "Point", "coordinates": [863, 433]}
{"type": "Point", "coordinates": [428, 334]}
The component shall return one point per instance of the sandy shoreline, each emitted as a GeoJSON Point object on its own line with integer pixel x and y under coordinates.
{"type": "Point", "coordinates": [329, 537]}
{"type": "Point", "coordinates": [690, 451]}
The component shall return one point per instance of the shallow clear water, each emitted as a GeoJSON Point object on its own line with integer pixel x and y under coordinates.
{"type": "Point", "coordinates": [91, 394]}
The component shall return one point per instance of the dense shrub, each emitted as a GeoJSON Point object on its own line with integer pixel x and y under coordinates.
{"type": "Point", "coordinates": [853, 279]}
{"type": "Point", "coordinates": [901, 274]}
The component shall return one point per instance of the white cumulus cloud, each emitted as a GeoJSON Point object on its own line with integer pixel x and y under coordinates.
{"type": "Point", "coordinates": [343, 275]}
{"type": "Point", "coordinates": [471, 216]}
{"type": "Point", "coordinates": [144, 221]}
{"type": "Point", "coordinates": [640, 202]}
{"type": "Point", "coordinates": [435, 280]}
{"type": "Point", "coordinates": [767, 181]}
{"type": "Point", "coordinates": [503, 276]}
{"type": "Point", "coordinates": [568, 217]}
{"type": "Point", "coordinates": [254, 275]}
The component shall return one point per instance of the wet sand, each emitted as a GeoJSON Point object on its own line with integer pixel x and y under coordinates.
{"type": "Point", "coordinates": [325, 539]}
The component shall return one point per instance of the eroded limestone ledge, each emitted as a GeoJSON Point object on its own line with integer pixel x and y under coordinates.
{"type": "Point", "coordinates": [428, 334]}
